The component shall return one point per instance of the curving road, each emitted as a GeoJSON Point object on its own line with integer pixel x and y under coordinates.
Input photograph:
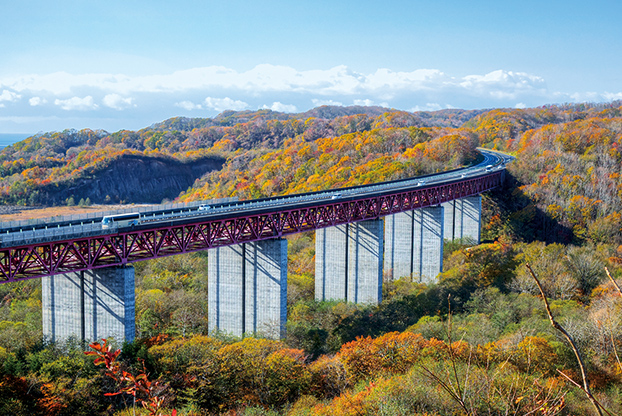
{"type": "Point", "coordinates": [55, 231]}
{"type": "Point", "coordinates": [71, 247]}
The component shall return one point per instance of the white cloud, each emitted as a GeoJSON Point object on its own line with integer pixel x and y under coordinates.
{"type": "Point", "coordinates": [429, 107]}
{"type": "Point", "coordinates": [612, 96]}
{"type": "Point", "coordinates": [36, 101]}
{"type": "Point", "coordinates": [281, 88]}
{"type": "Point", "coordinates": [222, 104]}
{"type": "Point", "coordinates": [283, 108]}
{"type": "Point", "coordinates": [585, 96]}
{"type": "Point", "coordinates": [117, 102]}
{"type": "Point", "coordinates": [262, 78]}
{"type": "Point", "coordinates": [77, 103]}
{"type": "Point", "coordinates": [520, 105]}
{"type": "Point", "coordinates": [420, 79]}
{"type": "Point", "coordinates": [316, 102]}
{"type": "Point", "coordinates": [8, 96]}
{"type": "Point", "coordinates": [365, 102]}
{"type": "Point", "coordinates": [433, 107]}
{"type": "Point", "coordinates": [332, 83]}
{"type": "Point", "coordinates": [503, 84]}
{"type": "Point", "coordinates": [188, 105]}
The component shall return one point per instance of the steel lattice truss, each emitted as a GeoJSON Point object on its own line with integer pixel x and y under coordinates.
{"type": "Point", "coordinates": [49, 258]}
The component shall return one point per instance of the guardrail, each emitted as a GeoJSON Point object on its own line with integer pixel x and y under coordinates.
{"type": "Point", "coordinates": [53, 233]}
{"type": "Point", "coordinates": [92, 216]}
{"type": "Point", "coordinates": [25, 232]}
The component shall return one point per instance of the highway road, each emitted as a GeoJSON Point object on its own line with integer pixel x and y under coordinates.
{"type": "Point", "coordinates": [55, 229]}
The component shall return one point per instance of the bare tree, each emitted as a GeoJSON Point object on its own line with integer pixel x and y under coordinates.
{"type": "Point", "coordinates": [615, 350]}
{"type": "Point", "coordinates": [586, 384]}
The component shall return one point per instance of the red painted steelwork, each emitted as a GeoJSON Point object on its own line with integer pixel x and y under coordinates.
{"type": "Point", "coordinates": [49, 258]}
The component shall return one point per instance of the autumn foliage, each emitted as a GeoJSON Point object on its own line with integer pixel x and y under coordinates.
{"type": "Point", "coordinates": [146, 392]}
{"type": "Point", "coordinates": [475, 342]}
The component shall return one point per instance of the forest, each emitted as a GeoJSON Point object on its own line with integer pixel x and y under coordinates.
{"type": "Point", "coordinates": [478, 341]}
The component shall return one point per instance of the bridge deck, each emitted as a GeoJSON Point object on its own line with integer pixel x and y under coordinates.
{"type": "Point", "coordinates": [82, 248]}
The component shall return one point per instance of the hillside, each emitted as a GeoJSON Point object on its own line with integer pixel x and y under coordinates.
{"type": "Point", "coordinates": [476, 342]}
{"type": "Point", "coordinates": [132, 177]}
{"type": "Point", "coordinates": [165, 159]}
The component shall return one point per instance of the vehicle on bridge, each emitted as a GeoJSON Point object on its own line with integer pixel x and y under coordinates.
{"type": "Point", "coordinates": [121, 220]}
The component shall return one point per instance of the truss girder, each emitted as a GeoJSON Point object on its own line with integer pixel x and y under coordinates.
{"type": "Point", "coordinates": [49, 258]}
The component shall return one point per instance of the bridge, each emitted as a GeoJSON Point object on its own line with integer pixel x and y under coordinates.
{"type": "Point", "coordinates": [393, 228]}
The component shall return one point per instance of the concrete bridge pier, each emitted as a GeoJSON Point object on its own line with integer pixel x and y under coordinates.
{"type": "Point", "coordinates": [348, 262]}
{"type": "Point", "coordinates": [247, 288]}
{"type": "Point", "coordinates": [463, 219]}
{"type": "Point", "coordinates": [414, 244]}
{"type": "Point", "coordinates": [89, 305]}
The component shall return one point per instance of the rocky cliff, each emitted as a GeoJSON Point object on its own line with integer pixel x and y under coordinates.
{"type": "Point", "coordinates": [134, 179]}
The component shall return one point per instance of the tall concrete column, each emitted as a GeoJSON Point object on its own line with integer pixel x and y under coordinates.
{"type": "Point", "coordinates": [226, 289]}
{"type": "Point", "coordinates": [89, 305]}
{"type": "Point", "coordinates": [414, 244]}
{"type": "Point", "coordinates": [331, 260]}
{"type": "Point", "coordinates": [428, 247]}
{"type": "Point", "coordinates": [463, 219]}
{"type": "Point", "coordinates": [266, 287]}
{"type": "Point", "coordinates": [348, 262]}
{"type": "Point", "coordinates": [247, 290]}
{"type": "Point", "coordinates": [398, 245]}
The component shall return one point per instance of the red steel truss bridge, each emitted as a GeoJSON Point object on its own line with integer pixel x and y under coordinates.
{"type": "Point", "coordinates": [90, 248]}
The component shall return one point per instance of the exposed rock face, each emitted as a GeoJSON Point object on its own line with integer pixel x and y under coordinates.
{"type": "Point", "coordinates": [134, 178]}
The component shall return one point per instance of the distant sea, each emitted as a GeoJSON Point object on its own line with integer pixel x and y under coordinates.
{"type": "Point", "coordinates": [7, 139]}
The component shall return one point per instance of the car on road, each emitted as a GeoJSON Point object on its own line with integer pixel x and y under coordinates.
{"type": "Point", "coordinates": [205, 207]}
{"type": "Point", "coordinates": [121, 220]}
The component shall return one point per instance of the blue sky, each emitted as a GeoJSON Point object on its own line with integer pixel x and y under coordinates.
{"type": "Point", "coordinates": [116, 65]}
